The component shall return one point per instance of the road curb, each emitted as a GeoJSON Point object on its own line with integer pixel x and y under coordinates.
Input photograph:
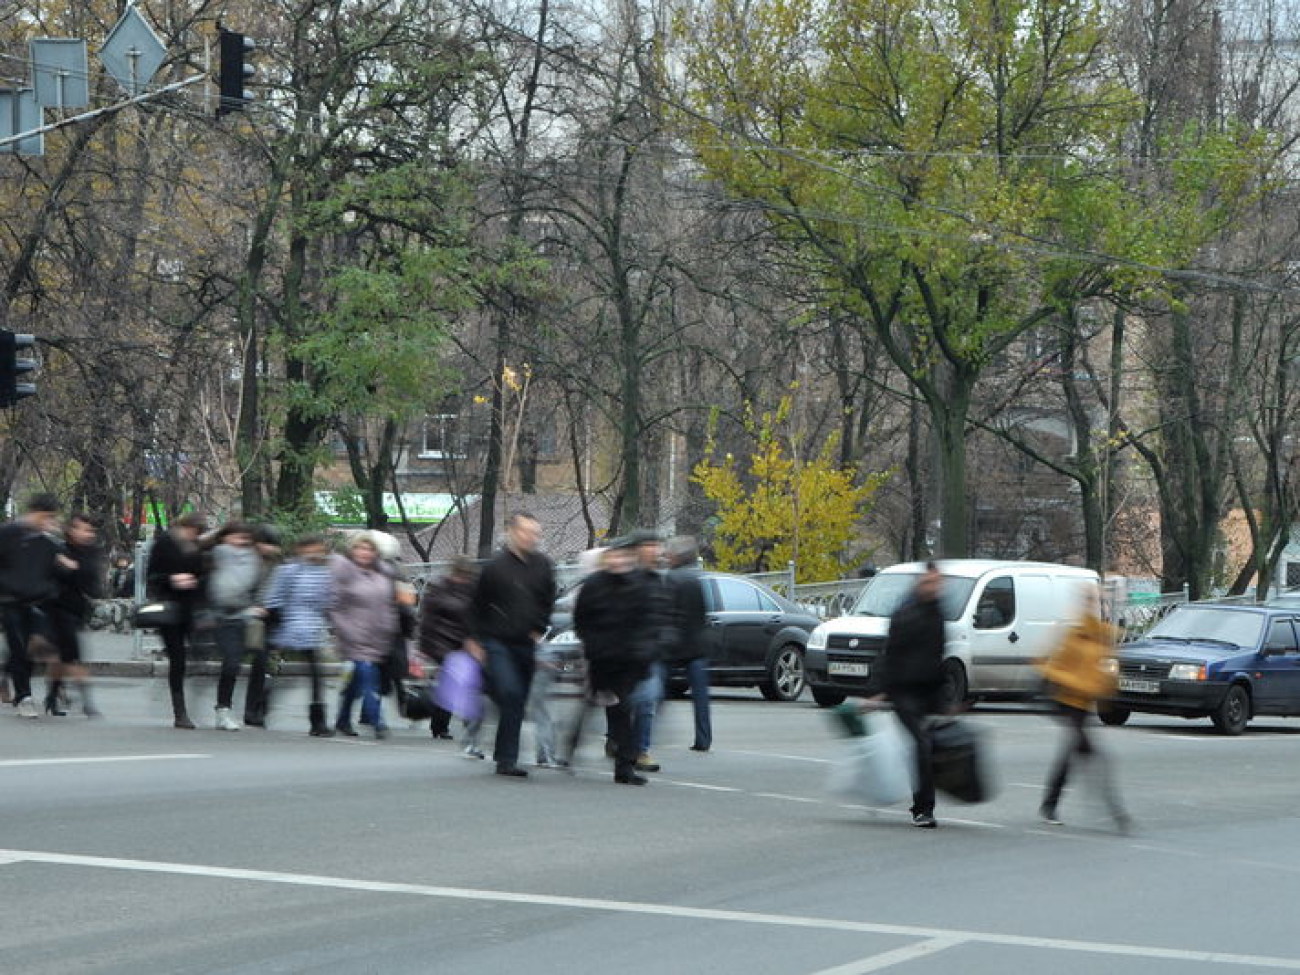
{"type": "Point", "coordinates": [198, 668]}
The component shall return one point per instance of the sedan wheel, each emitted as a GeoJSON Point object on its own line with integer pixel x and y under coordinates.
{"type": "Point", "coordinates": [1234, 713]}
{"type": "Point", "coordinates": [785, 676]}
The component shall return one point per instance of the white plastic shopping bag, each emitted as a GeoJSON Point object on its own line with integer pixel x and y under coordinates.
{"type": "Point", "coordinates": [876, 768]}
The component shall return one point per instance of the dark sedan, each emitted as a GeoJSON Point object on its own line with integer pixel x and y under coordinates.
{"type": "Point", "coordinates": [753, 637]}
{"type": "Point", "coordinates": [1224, 662]}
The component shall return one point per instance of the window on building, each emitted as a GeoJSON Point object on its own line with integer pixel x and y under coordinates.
{"type": "Point", "coordinates": [438, 441]}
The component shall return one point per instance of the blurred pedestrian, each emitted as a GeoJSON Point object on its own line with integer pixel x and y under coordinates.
{"type": "Point", "coordinates": [399, 667]}
{"type": "Point", "coordinates": [650, 691]}
{"type": "Point", "coordinates": [28, 553]}
{"type": "Point", "coordinates": [121, 580]}
{"type": "Point", "coordinates": [444, 624]}
{"type": "Point", "coordinates": [686, 651]}
{"type": "Point", "coordinates": [546, 668]}
{"type": "Point", "coordinates": [176, 573]}
{"type": "Point", "coordinates": [509, 614]}
{"type": "Point", "coordinates": [233, 590]}
{"type": "Point", "coordinates": [1079, 672]}
{"type": "Point", "coordinates": [297, 601]}
{"type": "Point", "coordinates": [612, 620]}
{"type": "Point", "coordinates": [913, 679]}
{"type": "Point", "coordinates": [79, 571]}
{"type": "Point", "coordinates": [364, 614]}
{"type": "Point", "coordinates": [270, 554]}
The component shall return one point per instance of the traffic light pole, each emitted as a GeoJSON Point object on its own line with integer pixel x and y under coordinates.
{"type": "Point", "coordinates": [106, 110]}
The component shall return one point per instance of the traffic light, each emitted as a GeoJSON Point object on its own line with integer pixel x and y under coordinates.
{"type": "Point", "coordinates": [11, 367]}
{"type": "Point", "coordinates": [234, 71]}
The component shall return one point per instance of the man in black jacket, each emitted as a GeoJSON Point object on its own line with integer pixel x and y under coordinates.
{"type": "Point", "coordinates": [80, 576]}
{"type": "Point", "coordinates": [686, 652]}
{"type": "Point", "coordinates": [659, 619]}
{"type": "Point", "coordinates": [913, 679]}
{"type": "Point", "coordinates": [509, 614]}
{"type": "Point", "coordinates": [618, 639]}
{"type": "Point", "coordinates": [28, 555]}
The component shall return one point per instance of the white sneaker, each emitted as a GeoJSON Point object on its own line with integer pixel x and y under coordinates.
{"type": "Point", "coordinates": [27, 708]}
{"type": "Point", "coordinates": [225, 722]}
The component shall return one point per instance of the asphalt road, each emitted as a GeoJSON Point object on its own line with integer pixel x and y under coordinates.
{"type": "Point", "coordinates": [127, 846]}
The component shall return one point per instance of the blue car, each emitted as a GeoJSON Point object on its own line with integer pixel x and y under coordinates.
{"type": "Point", "coordinates": [1219, 661]}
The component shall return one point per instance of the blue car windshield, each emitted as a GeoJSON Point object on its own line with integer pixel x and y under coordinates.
{"type": "Point", "coordinates": [1208, 623]}
{"type": "Point", "coordinates": [886, 592]}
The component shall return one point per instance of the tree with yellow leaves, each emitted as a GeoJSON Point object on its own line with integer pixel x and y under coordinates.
{"type": "Point", "coordinates": [785, 507]}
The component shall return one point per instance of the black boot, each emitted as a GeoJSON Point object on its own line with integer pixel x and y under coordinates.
{"type": "Point", "coordinates": [52, 703]}
{"type": "Point", "coordinates": [180, 718]}
{"type": "Point", "coordinates": [319, 726]}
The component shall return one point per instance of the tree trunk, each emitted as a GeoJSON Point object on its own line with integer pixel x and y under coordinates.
{"type": "Point", "coordinates": [948, 414]}
{"type": "Point", "coordinates": [496, 430]}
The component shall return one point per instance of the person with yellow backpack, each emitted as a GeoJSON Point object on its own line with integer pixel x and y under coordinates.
{"type": "Point", "coordinates": [1079, 672]}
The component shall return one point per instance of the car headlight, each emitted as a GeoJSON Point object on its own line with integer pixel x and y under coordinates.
{"type": "Point", "coordinates": [1110, 666]}
{"type": "Point", "coordinates": [817, 638]}
{"type": "Point", "coordinates": [1187, 672]}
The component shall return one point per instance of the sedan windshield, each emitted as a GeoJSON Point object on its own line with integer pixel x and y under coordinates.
{"type": "Point", "coordinates": [886, 592]}
{"type": "Point", "coordinates": [1208, 623]}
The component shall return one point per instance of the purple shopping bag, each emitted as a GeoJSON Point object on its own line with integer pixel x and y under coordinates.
{"type": "Point", "coordinates": [460, 686]}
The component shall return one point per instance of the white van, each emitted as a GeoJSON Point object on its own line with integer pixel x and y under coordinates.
{"type": "Point", "coordinates": [1001, 617]}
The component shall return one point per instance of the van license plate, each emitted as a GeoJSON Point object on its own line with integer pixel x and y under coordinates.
{"type": "Point", "coordinates": [1139, 686]}
{"type": "Point", "coordinates": [843, 668]}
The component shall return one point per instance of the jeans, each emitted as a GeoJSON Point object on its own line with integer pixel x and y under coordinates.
{"type": "Point", "coordinates": [19, 624]}
{"type": "Point", "coordinates": [509, 675]}
{"type": "Point", "coordinates": [538, 710]}
{"type": "Point", "coordinates": [474, 729]}
{"type": "Point", "coordinates": [231, 643]}
{"type": "Point", "coordinates": [697, 678]}
{"type": "Point", "coordinates": [644, 702]}
{"type": "Point", "coordinates": [364, 684]}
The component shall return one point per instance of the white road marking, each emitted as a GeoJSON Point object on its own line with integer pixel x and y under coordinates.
{"type": "Point", "coordinates": [655, 910]}
{"type": "Point", "coordinates": [970, 822]}
{"type": "Point", "coordinates": [97, 760]}
{"type": "Point", "coordinates": [888, 959]}
{"type": "Point", "coordinates": [701, 785]}
{"type": "Point", "coordinates": [777, 795]}
{"type": "Point", "coordinates": [788, 758]}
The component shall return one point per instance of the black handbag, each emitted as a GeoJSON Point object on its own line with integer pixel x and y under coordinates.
{"type": "Point", "coordinates": [156, 613]}
{"type": "Point", "coordinates": [959, 761]}
{"type": "Point", "coordinates": [414, 700]}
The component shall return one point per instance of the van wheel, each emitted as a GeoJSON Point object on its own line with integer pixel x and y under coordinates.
{"type": "Point", "coordinates": [785, 675]}
{"type": "Point", "coordinates": [827, 699]}
{"type": "Point", "coordinates": [955, 687]}
{"type": "Point", "coordinates": [1114, 717]}
{"type": "Point", "coordinates": [1233, 714]}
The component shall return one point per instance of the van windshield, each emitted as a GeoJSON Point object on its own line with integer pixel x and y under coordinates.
{"type": "Point", "coordinates": [887, 591]}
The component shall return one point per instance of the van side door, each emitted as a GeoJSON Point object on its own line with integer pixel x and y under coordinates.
{"type": "Point", "coordinates": [1047, 606]}
{"type": "Point", "coordinates": [995, 661]}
